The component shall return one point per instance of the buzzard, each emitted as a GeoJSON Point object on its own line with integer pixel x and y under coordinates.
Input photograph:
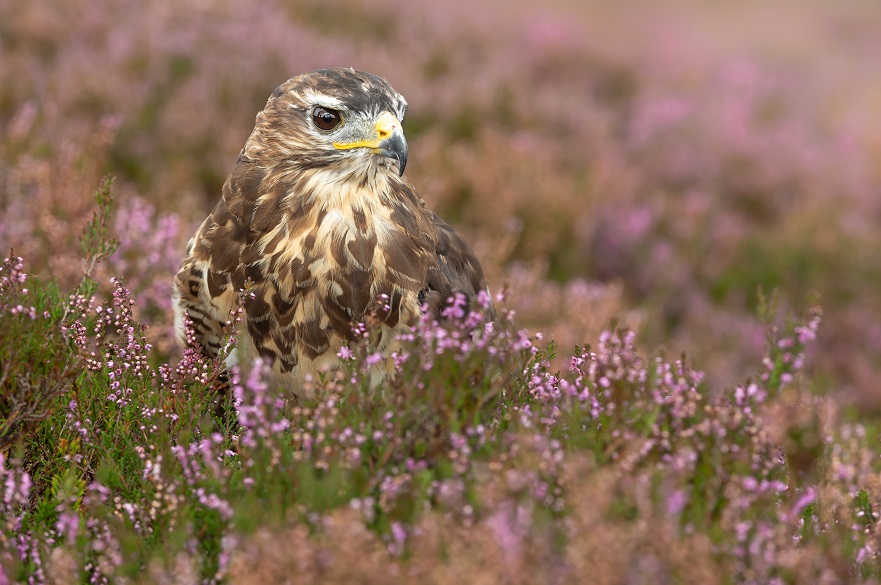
{"type": "Point", "coordinates": [320, 221]}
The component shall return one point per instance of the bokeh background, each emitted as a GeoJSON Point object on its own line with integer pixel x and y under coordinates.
{"type": "Point", "coordinates": [650, 163]}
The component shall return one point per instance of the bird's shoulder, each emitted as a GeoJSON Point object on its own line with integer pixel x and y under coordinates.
{"type": "Point", "coordinates": [456, 269]}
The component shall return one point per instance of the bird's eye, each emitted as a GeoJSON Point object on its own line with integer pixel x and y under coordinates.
{"type": "Point", "coordinates": [325, 118]}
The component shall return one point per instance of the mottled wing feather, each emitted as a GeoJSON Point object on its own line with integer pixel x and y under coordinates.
{"type": "Point", "coordinates": [206, 285]}
{"type": "Point", "coordinates": [457, 270]}
{"type": "Point", "coordinates": [190, 299]}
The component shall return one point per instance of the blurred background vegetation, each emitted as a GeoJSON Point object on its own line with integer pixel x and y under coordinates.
{"type": "Point", "coordinates": [657, 163]}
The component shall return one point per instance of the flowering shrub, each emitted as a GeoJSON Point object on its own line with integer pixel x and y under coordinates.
{"type": "Point", "coordinates": [474, 457]}
{"type": "Point", "coordinates": [632, 199]}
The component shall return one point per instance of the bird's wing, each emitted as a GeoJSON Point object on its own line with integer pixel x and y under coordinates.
{"type": "Point", "coordinates": [457, 271]}
{"type": "Point", "coordinates": [216, 263]}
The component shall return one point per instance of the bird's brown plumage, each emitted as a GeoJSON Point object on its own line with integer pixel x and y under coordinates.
{"type": "Point", "coordinates": [322, 223]}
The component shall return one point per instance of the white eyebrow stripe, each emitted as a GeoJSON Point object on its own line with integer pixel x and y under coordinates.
{"type": "Point", "coordinates": [310, 96]}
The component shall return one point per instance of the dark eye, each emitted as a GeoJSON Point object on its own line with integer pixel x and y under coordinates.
{"type": "Point", "coordinates": [325, 118]}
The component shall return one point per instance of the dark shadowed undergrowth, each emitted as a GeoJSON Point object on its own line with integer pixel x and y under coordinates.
{"type": "Point", "coordinates": [477, 462]}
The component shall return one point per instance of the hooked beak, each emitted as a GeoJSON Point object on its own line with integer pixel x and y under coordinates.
{"type": "Point", "coordinates": [395, 147]}
{"type": "Point", "coordinates": [388, 141]}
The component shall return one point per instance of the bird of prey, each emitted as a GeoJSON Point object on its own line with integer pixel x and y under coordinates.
{"type": "Point", "coordinates": [318, 217]}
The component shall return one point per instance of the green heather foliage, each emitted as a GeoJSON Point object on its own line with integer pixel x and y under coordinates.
{"type": "Point", "coordinates": [635, 178]}
{"type": "Point", "coordinates": [476, 460]}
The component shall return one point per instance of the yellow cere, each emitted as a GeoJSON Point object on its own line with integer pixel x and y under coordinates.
{"type": "Point", "coordinates": [386, 125]}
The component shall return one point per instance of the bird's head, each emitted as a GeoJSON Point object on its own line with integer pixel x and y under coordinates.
{"type": "Point", "coordinates": [335, 118]}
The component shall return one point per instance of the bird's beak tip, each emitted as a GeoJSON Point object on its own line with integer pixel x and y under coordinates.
{"type": "Point", "coordinates": [396, 147]}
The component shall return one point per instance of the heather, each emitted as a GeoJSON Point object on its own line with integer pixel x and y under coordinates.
{"type": "Point", "coordinates": [638, 181]}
